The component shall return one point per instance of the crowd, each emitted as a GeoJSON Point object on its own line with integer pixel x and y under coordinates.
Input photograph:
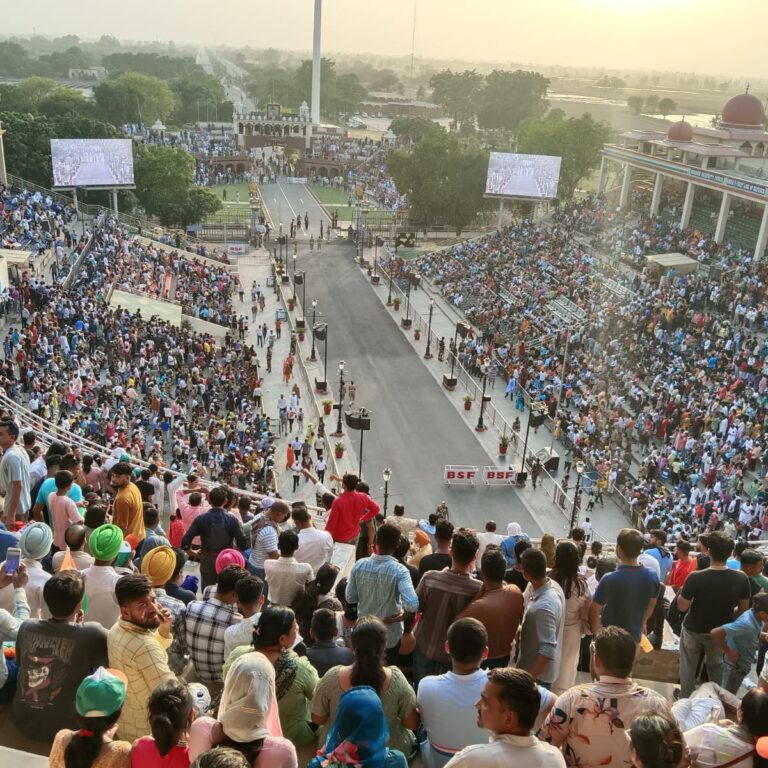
{"type": "Point", "coordinates": [460, 646]}
{"type": "Point", "coordinates": [663, 390]}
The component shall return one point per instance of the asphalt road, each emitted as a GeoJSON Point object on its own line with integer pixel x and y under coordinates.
{"type": "Point", "coordinates": [414, 429]}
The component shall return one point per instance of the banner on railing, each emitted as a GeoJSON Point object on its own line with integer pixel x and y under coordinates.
{"type": "Point", "coordinates": [499, 475]}
{"type": "Point", "coordinates": [460, 474]}
{"type": "Point", "coordinates": [237, 248]}
{"type": "Point", "coordinates": [294, 180]}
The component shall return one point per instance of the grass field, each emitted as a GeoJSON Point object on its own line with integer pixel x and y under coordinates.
{"type": "Point", "coordinates": [335, 200]}
{"type": "Point", "coordinates": [232, 190]}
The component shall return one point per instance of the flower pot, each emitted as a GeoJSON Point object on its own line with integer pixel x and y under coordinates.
{"type": "Point", "coordinates": [327, 409]}
{"type": "Point", "coordinates": [417, 334]}
{"type": "Point", "coordinates": [397, 305]}
{"type": "Point", "coordinates": [406, 322]}
{"type": "Point", "coordinates": [503, 450]}
{"type": "Point", "coordinates": [301, 335]}
{"type": "Point", "coordinates": [338, 453]}
{"type": "Point", "coordinates": [291, 305]}
{"type": "Point", "coordinates": [450, 382]}
{"type": "Point", "coordinates": [467, 405]}
{"type": "Point", "coordinates": [376, 279]}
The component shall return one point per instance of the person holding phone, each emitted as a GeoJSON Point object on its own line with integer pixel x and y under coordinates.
{"type": "Point", "coordinates": [14, 572]}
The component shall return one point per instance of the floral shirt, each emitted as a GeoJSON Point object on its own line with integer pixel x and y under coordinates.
{"type": "Point", "coordinates": [590, 722]}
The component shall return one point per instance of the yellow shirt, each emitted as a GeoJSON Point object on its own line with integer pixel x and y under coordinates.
{"type": "Point", "coordinates": [128, 512]}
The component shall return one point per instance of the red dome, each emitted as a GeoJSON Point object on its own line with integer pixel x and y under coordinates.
{"type": "Point", "coordinates": [743, 111]}
{"type": "Point", "coordinates": [681, 131]}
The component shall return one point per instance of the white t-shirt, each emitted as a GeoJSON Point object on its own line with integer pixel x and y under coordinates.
{"type": "Point", "coordinates": [315, 548]}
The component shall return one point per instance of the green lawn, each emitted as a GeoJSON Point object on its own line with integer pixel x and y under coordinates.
{"type": "Point", "coordinates": [232, 190]}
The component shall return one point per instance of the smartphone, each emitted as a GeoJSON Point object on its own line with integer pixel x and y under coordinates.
{"type": "Point", "coordinates": [12, 560]}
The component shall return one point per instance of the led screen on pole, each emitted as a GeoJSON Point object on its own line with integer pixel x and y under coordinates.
{"type": "Point", "coordinates": [92, 162]}
{"type": "Point", "coordinates": [534, 176]}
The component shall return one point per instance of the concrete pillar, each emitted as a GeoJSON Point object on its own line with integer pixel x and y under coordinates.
{"type": "Point", "coordinates": [656, 198]}
{"type": "Point", "coordinates": [114, 202]}
{"type": "Point", "coordinates": [722, 219]}
{"type": "Point", "coordinates": [316, 63]}
{"type": "Point", "coordinates": [762, 236]}
{"type": "Point", "coordinates": [3, 174]}
{"type": "Point", "coordinates": [687, 205]}
{"type": "Point", "coordinates": [704, 162]}
{"type": "Point", "coordinates": [501, 214]}
{"type": "Point", "coordinates": [601, 177]}
{"type": "Point", "coordinates": [624, 199]}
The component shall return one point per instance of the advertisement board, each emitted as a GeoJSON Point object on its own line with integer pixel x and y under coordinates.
{"type": "Point", "coordinates": [512, 175]}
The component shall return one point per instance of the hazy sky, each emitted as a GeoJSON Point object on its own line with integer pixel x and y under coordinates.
{"type": "Point", "coordinates": [713, 36]}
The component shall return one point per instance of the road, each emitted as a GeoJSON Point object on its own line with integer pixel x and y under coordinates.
{"type": "Point", "coordinates": [415, 431]}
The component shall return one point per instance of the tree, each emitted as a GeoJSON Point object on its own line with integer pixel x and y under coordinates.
{"type": "Point", "coordinates": [667, 106]}
{"type": "Point", "coordinates": [338, 93]}
{"type": "Point", "coordinates": [34, 90]}
{"type": "Point", "coordinates": [413, 129]}
{"type": "Point", "coordinates": [133, 97]}
{"type": "Point", "coordinates": [198, 97]}
{"type": "Point", "coordinates": [458, 92]}
{"type": "Point", "coordinates": [164, 186]}
{"type": "Point", "coordinates": [14, 59]}
{"type": "Point", "coordinates": [510, 97]}
{"type": "Point", "coordinates": [577, 141]}
{"type": "Point", "coordinates": [612, 83]}
{"type": "Point", "coordinates": [64, 101]}
{"type": "Point", "coordinates": [152, 64]}
{"type": "Point", "coordinates": [635, 103]}
{"type": "Point", "coordinates": [443, 179]}
{"type": "Point", "coordinates": [651, 104]}
{"type": "Point", "coordinates": [384, 80]}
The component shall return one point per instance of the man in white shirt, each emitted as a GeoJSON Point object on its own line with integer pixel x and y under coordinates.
{"type": "Point", "coordinates": [286, 576]}
{"type": "Point", "coordinates": [488, 536]}
{"type": "Point", "coordinates": [101, 578]}
{"type": "Point", "coordinates": [508, 707]}
{"type": "Point", "coordinates": [250, 600]}
{"type": "Point", "coordinates": [315, 546]}
{"type": "Point", "coordinates": [407, 525]}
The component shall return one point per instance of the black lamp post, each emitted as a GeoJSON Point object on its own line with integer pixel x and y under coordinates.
{"type": "Point", "coordinates": [484, 373]}
{"type": "Point", "coordinates": [579, 467]}
{"type": "Point", "coordinates": [386, 474]}
{"type": "Point", "coordinates": [428, 353]}
{"type": "Point", "coordinates": [389, 298]}
{"type": "Point", "coordinates": [312, 355]}
{"type": "Point", "coordinates": [303, 293]}
{"type": "Point", "coordinates": [294, 278]}
{"type": "Point", "coordinates": [340, 404]}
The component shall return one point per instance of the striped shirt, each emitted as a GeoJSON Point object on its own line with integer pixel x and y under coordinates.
{"type": "Point", "coordinates": [443, 595]}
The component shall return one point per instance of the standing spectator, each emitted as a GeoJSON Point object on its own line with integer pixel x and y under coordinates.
{"type": "Point", "coordinates": [349, 510]}
{"type": "Point", "coordinates": [218, 530]}
{"type": "Point", "coordinates": [443, 595]}
{"type": "Point", "coordinates": [286, 576]}
{"type": "Point", "coordinates": [497, 606]}
{"type": "Point", "coordinates": [315, 546]}
{"type": "Point", "coordinates": [382, 587]}
{"type": "Point", "coordinates": [514, 575]}
{"type": "Point", "coordinates": [407, 525]}
{"type": "Point", "coordinates": [488, 536]}
{"type": "Point", "coordinates": [204, 623]}
{"type": "Point", "coordinates": [134, 644]}
{"type": "Point", "coordinates": [541, 634]}
{"type": "Point", "coordinates": [514, 534]}
{"type": "Point", "coordinates": [128, 511]}
{"type": "Point", "coordinates": [508, 707]}
{"type": "Point", "coordinates": [442, 557]}
{"type": "Point", "coordinates": [590, 722]}
{"type": "Point", "coordinates": [264, 532]}
{"type": "Point", "coordinates": [14, 475]}
{"type": "Point", "coordinates": [63, 511]}
{"type": "Point", "coordinates": [710, 596]}
{"type": "Point", "coordinates": [53, 656]}
{"type": "Point", "coordinates": [626, 597]}
{"type": "Point", "coordinates": [447, 701]}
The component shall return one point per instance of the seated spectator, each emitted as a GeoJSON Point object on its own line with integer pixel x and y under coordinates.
{"type": "Point", "coordinates": [250, 601]}
{"type": "Point", "coordinates": [101, 577]}
{"type": "Point", "coordinates": [54, 656]}
{"type": "Point", "coordinates": [359, 734]}
{"type": "Point", "coordinates": [711, 745]}
{"type": "Point", "coordinates": [170, 716]}
{"type": "Point", "coordinates": [325, 652]}
{"type": "Point", "coordinates": [584, 720]}
{"type": "Point", "coordinates": [655, 741]}
{"type": "Point", "coordinates": [99, 701]}
{"type": "Point", "coordinates": [286, 576]}
{"type": "Point", "coordinates": [508, 707]}
{"type": "Point", "coordinates": [319, 593]}
{"type": "Point", "coordinates": [421, 548]}
{"type": "Point", "coordinates": [9, 628]}
{"type": "Point", "coordinates": [514, 575]}
{"type": "Point", "coordinates": [248, 718]}
{"type": "Point", "coordinates": [367, 669]}
{"type": "Point", "coordinates": [74, 538]}
{"type": "Point", "coordinates": [514, 534]}
{"type": "Point", "coordinates": [498, 607]}
{"type": "Point", "coordinates": [174, 587]}
{"type": "Point", "coordinates": [35, 544]}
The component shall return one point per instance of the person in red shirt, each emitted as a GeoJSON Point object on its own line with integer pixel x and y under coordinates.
{"type": "Point", "coordinates": [682, 566]}
{"type": "Point", "coordinates": [349, 509]}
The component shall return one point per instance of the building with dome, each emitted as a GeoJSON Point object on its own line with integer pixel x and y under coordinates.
{"type": "Point", "coordinates": [711, 172]}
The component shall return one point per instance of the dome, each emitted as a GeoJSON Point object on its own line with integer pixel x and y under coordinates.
{"type": "Point", "coordinates": [743, 111]}
{"type": "Point", "coordinates": [680, 131]}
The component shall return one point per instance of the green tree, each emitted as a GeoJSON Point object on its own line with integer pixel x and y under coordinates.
{"type": "Point", "coordinates": [510, 97]}
{"type": "Point", "coordinates": [34, 90]}
{"type": "Point", "coordinates": [164, 186]}
{"type": "Point", "coordinates": [667, 106]}
{"type": "Point", "coordinates": [651, 104]}
{"type": "Point", "coordinates": [152, 64]}
{"type": "Point", "coordinates": [198, 97]}
{"type": "Point", "coordinates": [612, 83]}
{"type": "Point", "coordinates": [577, 141]}
{"type": "Point", "coordinates": [384, 80]}
{"type": "Point", "coordinates": [64, 101]}
{"type": "Point", "coordinates": [133, 97]}
{"type": "Point", "coordinates": [59, 63]}
{"type": "Point", "coordinates": [459, 92]}
{"type": "Point", "coordinates": [338, 93]}
{"type": "Point", "coordinates": [413, 129]}
{"type": "Point", "coordinates": [635, 103]}
{"type": "Point", "coordinates": [444, 179]}
{"type": "Point", "coordinates": [14, 59]}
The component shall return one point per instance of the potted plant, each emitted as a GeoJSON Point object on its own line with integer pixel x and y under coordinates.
{"type": "Point", "coordinates": [467, 402]}
{"type": "Point", "coordinates": [339, 449]}
{"type": "Point", "coordinates": [396, 302]}
{"type": "Point", "coordinates": [376, 279]}
{"type": "Point", "coordinates": [327, 406]}
{"type": "Point", "coordinates": [503, 445]}
{"type": "Point", "coordinates": [417, 334]}
{"type": "Point", "coordinates": [301, 335]}
{"type": "Point", "coordinates": [291, 304]}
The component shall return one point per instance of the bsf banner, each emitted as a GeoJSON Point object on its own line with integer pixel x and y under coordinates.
{"type": "Point", "coordinates": [236, 248]}
{"type": "Point", "coordinates": [499, 475]}
{"type": "Point", "coordinates": [457, 474]}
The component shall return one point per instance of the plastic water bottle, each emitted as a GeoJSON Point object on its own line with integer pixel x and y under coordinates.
{"type": "Point", "coordinates": [201, 698]}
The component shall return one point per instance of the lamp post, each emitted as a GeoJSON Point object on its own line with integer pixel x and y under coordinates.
{"type": "Point", "coordinates": [303, 292]}
{"type": "Point", "coordinates": [312, 355]}
{"type": "Point", "coordinates": [386, 474]}
{"type": "Point", "coordinates": [294, 278]}
{"type": "Point", "coordinates": [339, 405]}
{"type": "Point", "coordinates": [579, 467]}
{"type": "Point", "coordinates": [389, 269]}
{"type": "Point", "coordinates": [428, 353]}
{"type": "Point", "coordinates": [484, 373]}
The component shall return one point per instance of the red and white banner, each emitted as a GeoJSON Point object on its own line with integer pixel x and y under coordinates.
{"type": "Point", "coordinates": [499, 475]}
{"type": "Point", "coordinates": [460, 474]}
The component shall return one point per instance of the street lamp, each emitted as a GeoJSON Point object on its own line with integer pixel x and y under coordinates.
{"type": "Point", "coordinates": [339, 432]}
{"type": "Point", "coordinates": [428, 354]}
{"type": "Point", "coordinates": [312, 355]}
{"type": "Point", "coordinates": [579, 467]}
{"type": "Point", "coordinates": [386, 474]}
{"type": "Point", "coordinates": [294, 278]}
{"type": "Point", "coordinates": [484, 373]}
{"type": "Point", "coordinates": [389, 298]}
